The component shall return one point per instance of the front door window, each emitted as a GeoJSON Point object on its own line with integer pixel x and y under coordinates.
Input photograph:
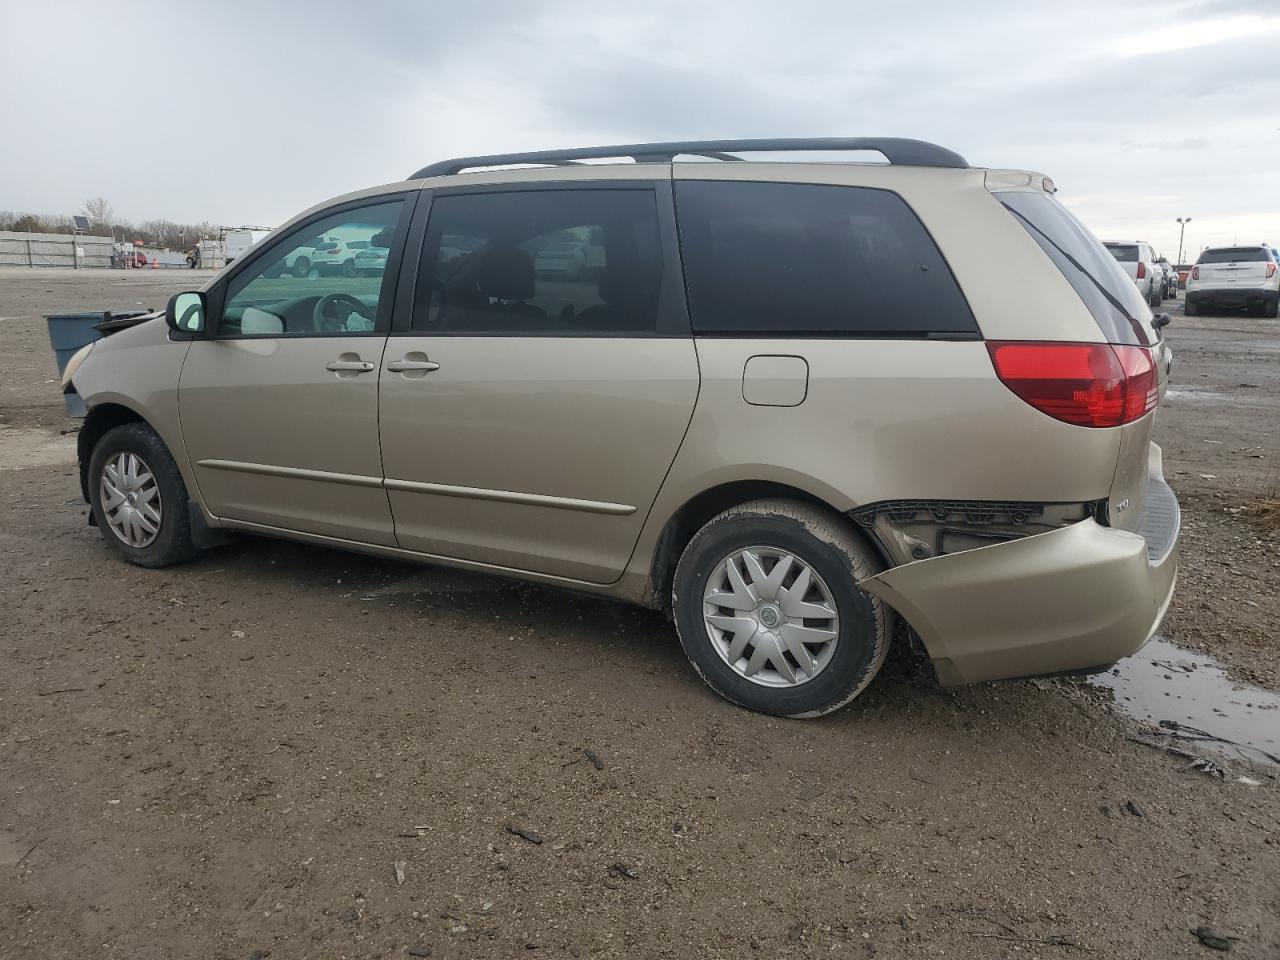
{"type": "Point", "coordinates": [324, 280]}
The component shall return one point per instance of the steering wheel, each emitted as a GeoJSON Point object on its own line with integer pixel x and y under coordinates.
{"type": "Point", "coordinates": [327, 317]}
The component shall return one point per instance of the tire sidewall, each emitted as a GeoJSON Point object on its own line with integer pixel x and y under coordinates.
{"type": "Point", "coordinates": [173, 542]}
{"type": "Point", "coordinates": [857, 655]}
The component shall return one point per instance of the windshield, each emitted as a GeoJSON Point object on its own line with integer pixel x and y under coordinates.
{"type": "Point", "coordinates": [1234, 255]}
{"type": "Point", "coordinates": [1092, 271]}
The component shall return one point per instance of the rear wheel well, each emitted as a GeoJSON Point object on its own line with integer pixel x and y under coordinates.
{"type": "Point", "coordinates": [691, 517]}
{"type": "Point", "coordinates": [99, 420]}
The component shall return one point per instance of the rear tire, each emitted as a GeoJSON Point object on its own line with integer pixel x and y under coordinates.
{"type": "Point", "coordinates": [804, 538]}
{"type": "Point", "coordinates": [1191, 308]}
{"type": "Point", "coordinates": [1271, 309]}
{"type": "Point", "coordinates": [301, 267]}
{"type": "Point", "coordinates": [133, 468]}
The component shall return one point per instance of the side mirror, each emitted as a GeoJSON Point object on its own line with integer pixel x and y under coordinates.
{"type": "Point", "coordinates": [186, 313]}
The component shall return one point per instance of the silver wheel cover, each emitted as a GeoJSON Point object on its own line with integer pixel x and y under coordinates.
{"type": "Point", "coordinates": [770, 616]}
{"type": "Point", "coordinates": [130, 499]}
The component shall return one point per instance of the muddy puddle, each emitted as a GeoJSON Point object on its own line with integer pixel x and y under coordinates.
{"type": "Point", "coordinates": [1166, 683]}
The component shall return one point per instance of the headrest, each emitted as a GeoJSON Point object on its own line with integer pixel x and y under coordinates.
{"type": "Point", "coordinates": [506, 274]}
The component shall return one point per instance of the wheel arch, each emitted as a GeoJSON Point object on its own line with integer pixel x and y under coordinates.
{"type": "Point", "coordinates": [112, 411]}
{"type": "Point", "coordinates": [690, 517]}
{"type": "Point", "coordinates": [100, 419]}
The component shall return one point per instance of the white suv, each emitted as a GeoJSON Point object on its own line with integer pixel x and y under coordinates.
{"type": "Point", "coordinates": [1139, 261]}
{"type": "Point", "coordinates": [1235, 277]}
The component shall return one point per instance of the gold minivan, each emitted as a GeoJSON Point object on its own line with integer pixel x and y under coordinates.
{"type": "Point", "coordinates": [787, 402]}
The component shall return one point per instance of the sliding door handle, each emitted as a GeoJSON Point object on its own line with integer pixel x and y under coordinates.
{"type": "Point", "coordinates": [402, 366]}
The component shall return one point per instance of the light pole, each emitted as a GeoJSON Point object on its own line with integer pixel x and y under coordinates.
{"type": "Point", "coordinates": [1182, 229]}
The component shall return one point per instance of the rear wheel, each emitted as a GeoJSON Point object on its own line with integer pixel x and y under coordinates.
{"type": "Point", "coordinates": [301, 267]}
{"type": "Point", "coordinates": [138, 497]}
{"type": "Point", "coordinates": [1191, 308]}
{"type": "Point", "coordinates": [768, 610]}
{"type": "Point", "coordinates": [1271, 309]}
{"type": "Point", "coordinates": [349, 268]}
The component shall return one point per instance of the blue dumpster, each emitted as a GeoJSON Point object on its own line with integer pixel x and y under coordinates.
{"type": "Point", "coordinates": [68, 332]}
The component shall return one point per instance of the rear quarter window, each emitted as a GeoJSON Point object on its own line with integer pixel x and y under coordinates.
{"type": "Point", "coordinates": [1093, 272]}
{"type": "Point", "coordinates": [812, 260]}
{"type": "Point", "coordinates": [1124, 253]}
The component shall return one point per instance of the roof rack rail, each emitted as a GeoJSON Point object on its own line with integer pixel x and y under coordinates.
{"type": "Point", "coordinates": [912, 153]}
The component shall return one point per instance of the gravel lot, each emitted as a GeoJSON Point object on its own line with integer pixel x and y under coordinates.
{"type": "Point", "coordinates": [230, 759]}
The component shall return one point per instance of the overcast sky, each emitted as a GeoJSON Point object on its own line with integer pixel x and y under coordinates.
{"type": "Point", "coordinates": [237, 112]}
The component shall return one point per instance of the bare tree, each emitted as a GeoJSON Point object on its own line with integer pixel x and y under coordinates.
{"type": "Point", "coordinates": [99, 212]}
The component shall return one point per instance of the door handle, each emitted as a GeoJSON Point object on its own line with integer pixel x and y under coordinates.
{"type": "Point", "coordinates": [349, 366]}
{"type": "Point", "coordinates": [413, 363]}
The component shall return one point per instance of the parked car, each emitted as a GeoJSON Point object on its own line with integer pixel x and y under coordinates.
{"type": "Point", "coordinates": [124, 256]}
{"type": "Point", "coordinates": [1170, 278]}
{"type": "Point", "coordinates": [370, 261]}
{"type": "Point", "coordinates": [325, 256]}
{"type": "Point", "coordinates": [1139, 262]}
{"type": "Point", "coordinates": [804, 411]}
{"type": "Point", "coordinates": [1235, 277]}
{"type": "Point", "coordinates": [571, 255]}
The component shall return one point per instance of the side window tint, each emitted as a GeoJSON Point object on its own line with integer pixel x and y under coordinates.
{"type": "Point", "coordinates": [326, 278]}
{"type": "Point", "coordinates": [558, 262]}
{"type": "Point", "coordinates": [802, 259]}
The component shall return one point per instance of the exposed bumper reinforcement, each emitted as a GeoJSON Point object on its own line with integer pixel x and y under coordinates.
{"type": "Point", "coordinates": [1065, 600]}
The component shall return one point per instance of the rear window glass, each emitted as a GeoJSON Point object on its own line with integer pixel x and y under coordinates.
{"type": "Point", "coordinates": [1094, 274]}
{"type": "Point", "coordinates": [1124, 252]}
{"type": "Point", "coordinates": [802, 259]}
{"type": "Point", "coordinates": [1234, 255]}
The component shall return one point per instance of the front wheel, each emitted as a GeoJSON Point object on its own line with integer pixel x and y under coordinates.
{"type": "Point", "coordinates": [768, 610]}
{"type": "Point", "coordinates": [138, 498]}
{"type": "Point", "coordinates": [301, 267]}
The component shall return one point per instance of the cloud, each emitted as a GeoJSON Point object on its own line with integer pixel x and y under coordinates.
{"type": "Point", "coordinates": [264, 109]}
{"type": "Point", "coordinates": [1189, 143]}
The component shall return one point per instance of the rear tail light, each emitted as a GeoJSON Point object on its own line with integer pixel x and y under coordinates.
{"type": "Point", "coordinates": [1086, 384]}
{"type": "Point", "coordinates": [1195, 273]}
{"type": "Point", "coordinates": [1142, 270]}
{"type": "Point", "coordinates": [1271, 270]}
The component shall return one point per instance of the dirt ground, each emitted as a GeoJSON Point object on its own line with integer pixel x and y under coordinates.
{"type": "Point", "coordinates": [229, 759]}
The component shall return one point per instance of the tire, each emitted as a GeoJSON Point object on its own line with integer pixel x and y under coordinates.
{"type": "Point", "coordinates": [814, 538]}
{"type": "Point", "coordinates": [349, 268]}
{"type": "Point", "coordinates": [301, 267]}
{"type": "Point", "coordinates": [1271, 309]}
{"type": "Point", "coordinates": [1191, 308]}
{"type": "Point", "coordinates": [171, 541]}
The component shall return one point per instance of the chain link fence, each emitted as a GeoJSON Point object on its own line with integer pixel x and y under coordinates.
{"type": "Point", "coordinates": [53, 250]}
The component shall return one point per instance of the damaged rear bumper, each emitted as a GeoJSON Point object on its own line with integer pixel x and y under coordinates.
{"type": "Point", "coordinates": [1070, 599]}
